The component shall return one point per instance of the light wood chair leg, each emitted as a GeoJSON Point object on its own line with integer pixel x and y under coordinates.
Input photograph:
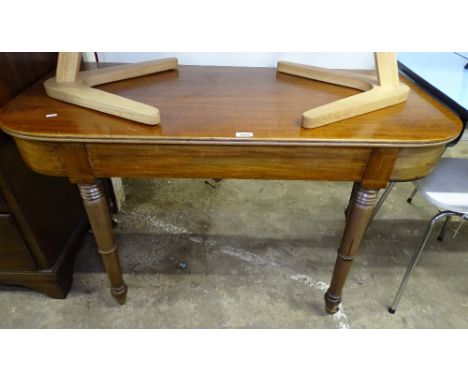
{"type": "Point", "coordinates": [97, 209]}
{"type": "Point", "coordinates": [359, 215]}
{"type": "Point", "coordinates": [379, 91]}
{"type": "Point", "coordinates": [72, 86]}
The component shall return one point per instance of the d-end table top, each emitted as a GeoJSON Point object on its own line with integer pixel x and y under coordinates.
{"type": "Point", "coordinates": [209, 105]}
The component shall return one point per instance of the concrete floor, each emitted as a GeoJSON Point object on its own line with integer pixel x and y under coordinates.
{"type": "Point", "coordinates": [259, 254]}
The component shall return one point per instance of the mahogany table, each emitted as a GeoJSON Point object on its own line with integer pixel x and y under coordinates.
{"type": "Point", "coordinates": [202, 111]}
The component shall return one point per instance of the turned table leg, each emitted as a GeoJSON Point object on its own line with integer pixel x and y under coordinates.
{"type": "Point", "coordinates": [98, 213]}
{"type": "Point", "coordinates": [351, 197]}
{"type": "Point", "coordinates": [359, 214]}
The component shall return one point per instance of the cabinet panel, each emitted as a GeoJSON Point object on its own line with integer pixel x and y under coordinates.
{"type": "Point", "coordinates": [14, 255]}
{"type": "Point", "coordinates": [41, 218]}
{"type": "Point", "coordinates": [3, 205]}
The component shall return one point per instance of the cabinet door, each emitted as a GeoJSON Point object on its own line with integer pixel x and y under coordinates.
{"type": "Point", "coordinates": [14, 254]}
{"type": "Point", "coordinates": [3, 205]}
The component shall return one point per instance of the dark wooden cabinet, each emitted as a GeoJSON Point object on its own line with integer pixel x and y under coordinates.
{"type": "Point", "coordinates": [42, 219]}
{"type": "Point", "coordinates": [14, 253]}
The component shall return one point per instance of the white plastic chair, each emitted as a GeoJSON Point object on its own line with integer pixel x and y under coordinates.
{"type": "Point", "coordinates": [447, 189]}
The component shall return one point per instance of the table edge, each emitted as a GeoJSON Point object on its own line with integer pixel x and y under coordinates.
{"type": "Point", "coordinates": [230, 141]}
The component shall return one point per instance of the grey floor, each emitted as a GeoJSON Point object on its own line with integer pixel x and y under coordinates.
{"type": "Point", "coordinates": [258, 254]}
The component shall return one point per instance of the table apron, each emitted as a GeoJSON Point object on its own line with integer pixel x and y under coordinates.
{"type": "Point", "coordinates": [332, 163]}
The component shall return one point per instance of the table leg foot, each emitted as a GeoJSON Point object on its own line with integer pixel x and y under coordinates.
{"type": "Point", "coordinates": [120, 294]}
{"type": "Point", "coordinates": [359, 214]}
{"type": "Point", "coordinates": [97, 209]}
{"type": "Point", "coordinates": [332, 302]}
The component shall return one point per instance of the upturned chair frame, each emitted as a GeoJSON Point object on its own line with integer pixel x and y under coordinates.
{"type": "Point", "coordinates": [72, 86]}
{"type": "Point", "coordinates": [379, 91]}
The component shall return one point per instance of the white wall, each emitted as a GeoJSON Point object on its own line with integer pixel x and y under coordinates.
{"type": "Point", "coordinates": [269, 59]}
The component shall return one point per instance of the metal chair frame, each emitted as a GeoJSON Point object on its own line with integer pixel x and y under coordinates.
{"type": "Point", "coordinates": [414, 259]}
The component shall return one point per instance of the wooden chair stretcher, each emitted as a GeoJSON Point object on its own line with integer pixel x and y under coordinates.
{"type": "Point", "coordinates": [378, 92]}
{"type": "Point", "coordinates": [72, 86]}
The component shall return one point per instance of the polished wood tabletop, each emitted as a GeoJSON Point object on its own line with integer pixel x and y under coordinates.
{"type": "Point", "coordinates": [202, 109]}
{"type": "Point", "coordinates": [211, 104]}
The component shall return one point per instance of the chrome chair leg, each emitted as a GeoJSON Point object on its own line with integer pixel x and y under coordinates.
{"type": "Point", "coordinates": [410, 199]}
{"type": "Point", "coordinates": [382, 200]}
{"type": "Point", "coordinates": [444, 228]}
{"type": "Point", "coordinates": [416, 257]}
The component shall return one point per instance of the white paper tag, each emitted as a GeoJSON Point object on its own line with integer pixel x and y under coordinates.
{"type": "Point", "coordinates": [244, 135]}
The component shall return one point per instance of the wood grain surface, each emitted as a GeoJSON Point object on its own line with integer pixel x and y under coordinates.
{"type": "Point", "coordinates": [210, 104]}
{"type": "Point", "coordinates": [19, 71]}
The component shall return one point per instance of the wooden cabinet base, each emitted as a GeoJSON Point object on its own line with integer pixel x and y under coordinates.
{"type": "Point", "coordinates": [42, 220]}
{"type": "Point", "coordinates": [56, 281]}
